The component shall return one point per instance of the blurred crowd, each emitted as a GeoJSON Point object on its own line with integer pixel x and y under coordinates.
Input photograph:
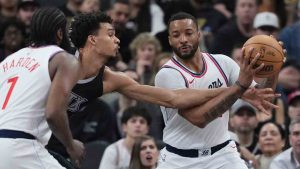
{"type": "Point", "coordinates": [116, 127]}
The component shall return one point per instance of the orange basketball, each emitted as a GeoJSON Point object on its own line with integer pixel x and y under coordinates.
{"type": "Point", "coordinates": [271, 54]}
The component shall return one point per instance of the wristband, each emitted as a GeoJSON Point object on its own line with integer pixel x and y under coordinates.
{"type": "Point", "coordinates": [241, 86]}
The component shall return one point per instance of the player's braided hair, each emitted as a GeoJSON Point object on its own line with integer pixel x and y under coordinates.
{"type": "Point", "coordinates": [45, 24]}
{"type": "Point", "coordinates": [86, 24]}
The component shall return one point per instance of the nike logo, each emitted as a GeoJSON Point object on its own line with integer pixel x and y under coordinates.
{"type": "Point", "coordinates": [190, 82]}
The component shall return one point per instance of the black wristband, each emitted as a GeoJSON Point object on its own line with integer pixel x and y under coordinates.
{"type": "Point", "coordinates": [241, 86]}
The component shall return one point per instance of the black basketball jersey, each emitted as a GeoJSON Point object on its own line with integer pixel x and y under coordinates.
{"type": "Point", "coordinates": [84, 92]}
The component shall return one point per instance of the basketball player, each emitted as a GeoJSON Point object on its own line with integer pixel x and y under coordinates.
{"type": "Point", "coordinates": [35, 83]}
{"type": "Point", "coordinates": [94, 36]}
{"type": "Point", "coordinates": [198, 137]}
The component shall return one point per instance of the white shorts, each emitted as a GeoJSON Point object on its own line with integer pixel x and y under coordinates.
{"type": "Point", "coordinates": [26, 154]}
{"type": "Point", "coordinates": [226, 158]}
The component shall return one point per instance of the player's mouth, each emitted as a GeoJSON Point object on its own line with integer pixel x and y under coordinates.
{"type": "Point", "coordinates": [185, 48]}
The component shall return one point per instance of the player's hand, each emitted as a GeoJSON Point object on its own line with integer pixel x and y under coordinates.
{"type": "Point", "coordinates": [260, 98]}
{"type": "Point", "coordinates": [248, 68]}
{"type": "Point", "coordinates": [76, 152]}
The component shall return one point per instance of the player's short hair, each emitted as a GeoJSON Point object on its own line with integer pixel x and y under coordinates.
{"type": "Point", "coordinates": [180, 16]}
{"type": "Point", "coordinates": [86, 24]}
{"type": "Point", "coordinates": [136, 111]}
{"type": "Point", "coordinates": [45, 23]}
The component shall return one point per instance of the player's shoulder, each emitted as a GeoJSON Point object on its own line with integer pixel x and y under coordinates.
{"type": "Point", "coordinates": [222, 59]}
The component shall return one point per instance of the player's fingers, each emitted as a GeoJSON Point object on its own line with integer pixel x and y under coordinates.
{"type": "Point", "coordinates": [259, 68]}
{"type": "Point", "coordinates": [253, 62]}
{"type": "Point", "coordinates": [270, 105]}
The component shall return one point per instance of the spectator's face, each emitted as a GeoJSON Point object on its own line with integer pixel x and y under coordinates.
{"type": "Point", "coordinates": [295, 138]}
{"type": "Point", "coordinates": [149, 153]}
{"type": "Point", "coordinates": [89, 6]}
{"type": "Point", "coordinates": [245, 11]}
{"type": "Point", "coordinates": [244, 121]}
{"type": "Point", "coordinates": [270, 140]}
{"type": "Point", "coordinates": [119, 14]}
{"type": "Point", "coordinates": [184, 38]}
{"type": "Point", "coordinates": [136, 126]}
{"type": "Point", "coordinates": [25, 14]}
{"type": "Point", "coordinates": [13, 38]}
{"type": "Point", "coordinates": [294, 110]}
{"type": "Point", "coordinates": [146, 52]}
{"type": "Point", "coordinates": [105, 42]}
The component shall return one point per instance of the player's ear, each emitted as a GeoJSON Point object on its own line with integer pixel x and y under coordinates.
{"type": "Point", "coordinates": [59, 36]}
{"type": "Point", "coordinates": [170, 42]}
{"type": "Point", "coordinates": [91, 39]}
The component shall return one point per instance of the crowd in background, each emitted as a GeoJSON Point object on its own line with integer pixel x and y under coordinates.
{"type": "Point", "coordinates": [121, 124]}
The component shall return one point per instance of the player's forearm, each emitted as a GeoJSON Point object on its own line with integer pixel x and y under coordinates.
{"type": "Point", "coordinates": [58, 123]}
{"type": "Point", "coordinates": [180, 98]}
{"type": "Point", "coordinates": [214, 108]}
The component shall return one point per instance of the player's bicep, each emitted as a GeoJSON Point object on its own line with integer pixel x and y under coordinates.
{"type": "Point", "coordinates": [170, 78]}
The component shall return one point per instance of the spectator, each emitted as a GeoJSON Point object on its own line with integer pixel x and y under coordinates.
{"type": "Point", "coordinates": [13, 38]}
{"type": "Point", "coordinates": [135, 123]}
{"type": "Point", "coordinates": [119, 12]}
{"type": "Point", "coordinates": [88, 6]}
{"type": "Point", "coordinates": [266, 23]}
{"type": "Point", "coordinates": [237, 30]}
{"type": "Point", "coordinates": [144, 153]}
{"type": "Point", "coordinates": [144, 48]}
{"type": "Point", "coordinates": [26, 9]}
{"type": "Point", "coordinates": [243, 123]}
{"type": "Point", "coordinates": [289, 77]}
{"type": "Point", "coordinates": [271, 142]}
{"type": "Point", "coordinates": [290, 158]}
{"type": "Point", "coordinates": [290, 36]}
{"type": "Point", "coordinates": [145, 16]}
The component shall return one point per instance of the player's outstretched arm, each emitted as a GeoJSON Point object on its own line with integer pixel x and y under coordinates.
{"type": "Point", "coordinates": [179, 98]}
{"type": "Point", "coordinates": [64, 73]}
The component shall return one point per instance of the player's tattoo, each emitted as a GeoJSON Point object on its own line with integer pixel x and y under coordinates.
{"type": "Point", "coordinates": [223, 105]}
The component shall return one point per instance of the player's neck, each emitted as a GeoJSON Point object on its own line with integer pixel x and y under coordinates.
{"type": "Point", "coordinates": [195, 63]}
{"type": "Point", "coordinates": [90, 63]}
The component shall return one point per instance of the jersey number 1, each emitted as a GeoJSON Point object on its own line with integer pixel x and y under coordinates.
{"type": "Point", "coordinates": [13, 82]}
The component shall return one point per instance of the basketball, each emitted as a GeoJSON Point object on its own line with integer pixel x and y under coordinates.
{"type": "Point", "coordinates": [271, 54]}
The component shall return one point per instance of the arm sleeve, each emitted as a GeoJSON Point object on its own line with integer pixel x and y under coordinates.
{"type": "Point", "coordinates": [109, 158]}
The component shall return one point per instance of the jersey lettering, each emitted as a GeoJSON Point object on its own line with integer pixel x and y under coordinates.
{"type": "Point", "coordinates": [215, 84]}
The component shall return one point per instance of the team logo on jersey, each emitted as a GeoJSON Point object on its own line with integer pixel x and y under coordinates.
{"type": "Point", "coordinates": [215, 84]}
{"type": "Point", "coordinates": [75, 102]}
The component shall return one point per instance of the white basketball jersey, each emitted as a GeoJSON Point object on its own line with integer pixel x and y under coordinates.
{"type": "Point", "coordinates": [218, 71]}
{"type": "Point", "coordinates": [24, 87]}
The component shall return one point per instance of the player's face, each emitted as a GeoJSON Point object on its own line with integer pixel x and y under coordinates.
{"type": "Point", "coordinates": [295, 138]}
{"type": "Point", "coordinates": [149, 153]}
{"type": "Point", "coordinates": [184, 38]}
{"type": "Point", "coordinates": [270, 140]}
{"type": "Point", "coordinates": [136, 126]}
{"type": "Point", "coordinates": [106, 43]}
